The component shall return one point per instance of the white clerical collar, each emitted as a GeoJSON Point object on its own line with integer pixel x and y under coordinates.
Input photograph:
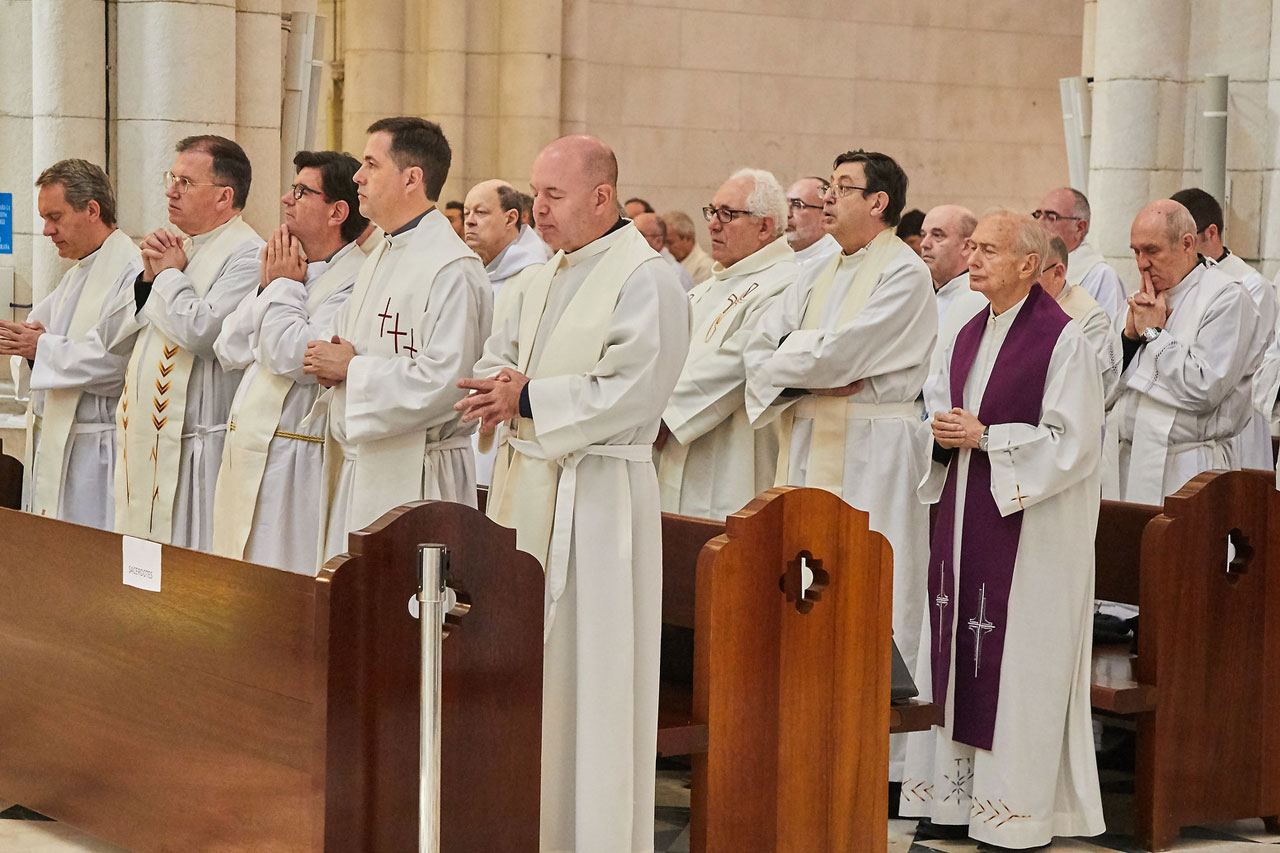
{"type": "Point", "coordinates": [1005, 318]}
{"type": "Point", "coordinates": [761, 259]}
{"type": "Point", "coordinates": [200, 239]}
{"type": "Point", "coordinates": [315, 269]}
{"type": "Point", "coordinates": [824, 245]}
{"type": "Point", "coordinates": [1188, 282]}
{"type": "Point", "coordinates": [953, 284]}
{"type": "Point", "coordinates": [427, 220]}
{"type": "Point", "coordinates": [87, 260]}
{"type": "Point", "coordinates": [601, 244]}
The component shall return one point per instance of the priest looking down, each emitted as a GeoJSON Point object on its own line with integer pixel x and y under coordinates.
{"type": "Point", "coordinates": [60, 354]}
{"type": "Point", "coordinates": [839, 360]}
{"type": "Point", "coordinates": [655, 233]}
{"type": "Point", "coordinates": [943, 248]}
{"type": "Point", "coordinates": [414, 325]}
{"type": "Point", "coordinates": [1192, 340]}
{"type": "Point", "coordinates": [711, 461]}
{"type": "Point", "coordinates": [173, 413]}
{"type": "Point", "coordinates": [1065, 213]}
{"type": "Point", "coordinates": [682, 243]}
{"type": "Point", "coordinates": [805, 234]}
{"type": "Point", "coordinates": [1082, 308]}
{"type": "Point", "coordinates": [1017, 428]}
{"type": "Point", "coordinates": [581, 371]}
{"type": "Point", "coordinates": [511, 253]}
{"type": "Point", "coordinates": [1253, 445]}
{"type": "Point", "coordinates": [265, 506]}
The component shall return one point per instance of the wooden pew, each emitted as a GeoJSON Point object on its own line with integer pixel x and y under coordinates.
{"type": "Point", "coordinates": [252, 709]}
{"type": "Point", "coordinates": [10, 481]}
{"type": "Point", "coordinates": [790, 717]}
{"type": "Point", "coordinates": [1204, 688]}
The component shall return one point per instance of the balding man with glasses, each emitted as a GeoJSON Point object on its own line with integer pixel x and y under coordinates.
{"type": "Point", "coordinates": [173, 414]}
{"type": "Point", "coordinates": [839, 360]}
{"type": "Point", "coordinates": [1064, 213]}
{"type": "Point", "coordinates": [805, 234]}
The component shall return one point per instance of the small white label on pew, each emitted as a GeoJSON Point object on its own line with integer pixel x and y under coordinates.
{"type": "Point", "coordinates": [141, 563]}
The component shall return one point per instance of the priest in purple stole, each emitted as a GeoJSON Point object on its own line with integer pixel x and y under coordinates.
{"type": "Point", "coordinates": [1017, 426]}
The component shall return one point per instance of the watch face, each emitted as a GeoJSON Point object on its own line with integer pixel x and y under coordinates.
{"type": "Point", "coordinates": [1150, 333]}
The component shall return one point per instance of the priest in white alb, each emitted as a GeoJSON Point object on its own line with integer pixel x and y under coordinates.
{"type": "Point", "coordinates": [579, 375]}
{"type": "Point", "coordinates": [1253, 445]}
{"type": "Point", "coordinates": [1017, 428]}
{"type": "Point", "coordinates": [1085, 311]}
{"type": "Point", "coordinates": [839, 360]}
{"type": "Point", "coordinates": [1065, 212]}
{"type": "Point", "coordinates": [511, 253]}
{"type": "Point", "coordinates": [414, 325]}
{"type": "Point", "coordinates": [265, 508]}
{"type": "Point", "coordinates": [60, 354]}
{"type": "Point", "coordinates": [944, 249]}
{"type": "Point", "coordinates": [711, 460]}
{"type": "Point", "coordinates": [173, 413]}
{"type": "Point", "coordinates": [805, 234]}
{"type": "Point", "coordinates": [1192, 339]}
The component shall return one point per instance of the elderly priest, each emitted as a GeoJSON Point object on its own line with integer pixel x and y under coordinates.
{"type": "Point", "coordinates": [1017, 429]}
{"type": "Point", "coordinates": [712, 462]}
{"type": "Point", "coordinates": [414, 325]}
{"type": "Point", "coordinates": [584, 366]}
{"type": "Point", "coordinates": [61, 353]}
{"type": "Point", "coordinates": [840, 358]}
{"type": "Point", "coordinates": [1192, 339]}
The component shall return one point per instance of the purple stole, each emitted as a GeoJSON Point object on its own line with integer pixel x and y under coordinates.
{"type": "Point", "coordinates": [988, 541]}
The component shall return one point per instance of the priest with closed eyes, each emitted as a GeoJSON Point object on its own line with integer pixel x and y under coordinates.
{"type": "Point", "coordinates": [1017, 436]}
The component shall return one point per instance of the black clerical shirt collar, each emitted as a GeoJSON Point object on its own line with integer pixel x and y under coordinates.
{"type": "Point", "coordinates": [412, 223]}
{"type": "Point", "coordinates": [1223, 256]}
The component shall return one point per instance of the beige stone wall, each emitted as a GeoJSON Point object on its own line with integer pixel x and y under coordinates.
{"type": "Point", "coordinates": [964, 95]}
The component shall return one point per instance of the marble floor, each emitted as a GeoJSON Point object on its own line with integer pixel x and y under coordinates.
{"type": "Point", "coordinates": [23, 831]}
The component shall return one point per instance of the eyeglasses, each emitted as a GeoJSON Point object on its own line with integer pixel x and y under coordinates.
{"type": "Point", "coordinates": [842, 190]}
{"type": "Point", "coordinates": [183, 184]}
{"type": "Point", "coordinates": [724, 214]}
{"type": "Point", "coordinates": [797, 204]}
{"type": "Point", "coordinates": [1051, 215]}
{"type": "Point", "coordinates": [299, 190]}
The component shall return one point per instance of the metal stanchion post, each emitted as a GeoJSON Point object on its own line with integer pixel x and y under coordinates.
{"type": "Point", "coordinates": [433, 564]}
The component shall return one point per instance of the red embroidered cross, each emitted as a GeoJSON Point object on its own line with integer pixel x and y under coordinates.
{"type": "Point", "coordinates": [396, 334]}
{"type": "Point", "coordinates": [385, 315]}
{"type": "Point", "coordinates": [409, 347]}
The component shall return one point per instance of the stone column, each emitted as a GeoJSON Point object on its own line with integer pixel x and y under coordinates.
{"type": "Point", "coordinates": [530, 48]}
{"type": "Point", "coordinates": [435, 84]}
{"type": "Point", "coordinates": [373, 67]}
{"type": "Point", "coordinates": [1139, 117]}
{"type": "Point", "coordinates": [258, 94]}
{"type": "Point", "coordinates": [1270, 228]}
{"type": "Point", "coordinates": [68, 104]}
{"type": "Point", "coordinates": [16, 164]}
{"type": "Point", "coordinates": [177, 77]}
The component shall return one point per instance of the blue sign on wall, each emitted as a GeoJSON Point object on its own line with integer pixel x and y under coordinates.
{"type": "Point", "coordinates": [6, 223]}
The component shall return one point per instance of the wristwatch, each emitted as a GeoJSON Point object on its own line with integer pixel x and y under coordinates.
{"type": "Point", "coordinates": [982, 440]}
{"type": "Point", "coordinates": [1150, 333]}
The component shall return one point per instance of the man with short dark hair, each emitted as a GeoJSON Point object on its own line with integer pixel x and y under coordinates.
{"type": "Point", "coordinates": [414, 325]}
{"type": "Point", "coordinates": [60, 353]}
{"type": "Point", "coordinates": [910, 227]}
{"type": "Point", "coordinates": [633, 207]}
{"type": "Point", "coordinates": [580, 372]}
{"type": "Point", "coordinates": [173, 413]}
{"type": "Point", "coordinates": [264, 508]}
{"type": "Point", "coordinates": [839, 360]}
{"type": "Point", "coordinates": [453, 210]}
{"type": "Point", "coordinates": [1254, 442]}
{"type": "Point", "coordinates": [1065, 212]}
{"type": "Point", "coordinates": [1017, 426]}
{"type": "Point", "coordinates": [1192, 340]}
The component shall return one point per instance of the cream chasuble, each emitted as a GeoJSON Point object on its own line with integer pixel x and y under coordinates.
{"type": "Point", "coordinates": [872, 316]}
{"type": "Point", "coordinates": [1185, 396]}
{"type": "Point", "coordinates": [70, 446]}
{"type": "Point", "coordinates": [261, 437]}
{"type": "Point", "coordinates": [603, 333]}
{"type": "Point", "coordinates": [714, 461]}
{"type": "Point", "coordinates": [168, 459]}
{"type": "Point", "coordinates": [418, 317]}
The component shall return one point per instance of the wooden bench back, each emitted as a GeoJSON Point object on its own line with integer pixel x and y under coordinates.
{"type": "Point", "coordinates": [1117, 549]}
{"type": "Point", "coordinates": [1209, 640]}
{"type": "Point", "coordinates": [248, 708]}
{"type": "Point", "coordinates": [796, 703]}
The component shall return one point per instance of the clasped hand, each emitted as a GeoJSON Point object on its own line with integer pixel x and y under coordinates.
{"type": "Point", "coordinates": [20, 338]}
{"type": "Point", "coordinates": [1147, 309]}
{"type": "Point", "coordinates": [957, 428]}
{"type": "Point", "coordinates": [328, 360]}
{"type": "Point", "coordinates": [494, 400]}
{"type": "Point", "coordinates": [162, 250]}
